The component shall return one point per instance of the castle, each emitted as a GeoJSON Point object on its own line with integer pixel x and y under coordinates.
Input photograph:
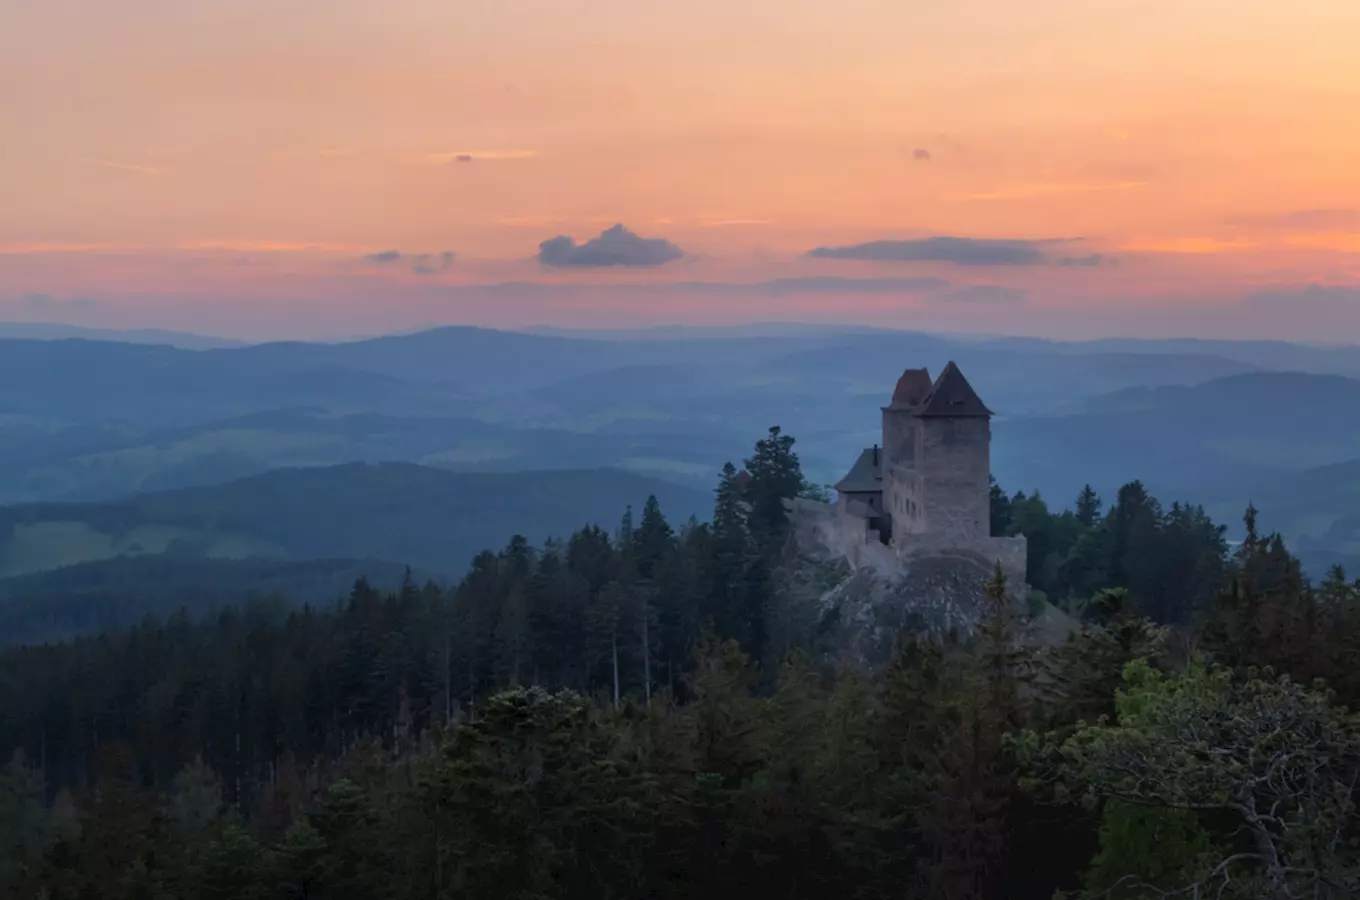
{"type": "Point", "coordinates": [925, 491]}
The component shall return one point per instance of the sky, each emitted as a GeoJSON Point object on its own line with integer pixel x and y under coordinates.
{"type": "Point", "coordinates": [331, 168]}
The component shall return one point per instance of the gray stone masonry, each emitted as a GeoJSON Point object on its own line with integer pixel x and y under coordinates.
{"type": "Point", "coordinates": [929, 487]}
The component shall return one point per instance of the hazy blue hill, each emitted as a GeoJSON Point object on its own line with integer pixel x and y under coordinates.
{"type": "Point", "coordinates": [1289, 442]}
{"type": "Point", "coordinates": [116, 593]}
{"type": "Point", "coordinates": [706, 332]}
{"type": "Point", "coordinates": [633, 385]}
{"type": "Point", "coordinates": [496, 362]}
{"type": "Point", "coordinates": [81, 462]}
{"type": "Point", "coordinates": [97, 381]}
{"type": "Point", "coordinates": [1227, 433]}
{"type": "Point", "coordinates": [1014, 380]}
{"type": "Point", "coordinates": [48, 331]}
{"type": "Point", "coordinates": [1317, 510]}
{"type": "Point", "coordinates": [1278, 355]}
{"type": "Point", "coordinates": [85, 420]}
{"type": "Point", "coordinates": [431, 519]}
{"type": "Point", "coordinates": [1286, 419]}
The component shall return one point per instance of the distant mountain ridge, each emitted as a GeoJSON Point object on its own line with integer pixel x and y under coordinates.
{"type": "Point", "coordinates": [98, 420]}
{"type": "Point", "coordinates": [58, 331]}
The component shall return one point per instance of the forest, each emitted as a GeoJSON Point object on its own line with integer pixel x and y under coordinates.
{"type": "Point", "coordinates": [632, 714]}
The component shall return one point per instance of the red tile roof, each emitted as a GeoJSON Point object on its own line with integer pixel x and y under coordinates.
{"type": "Point", "coordinates": [911, 388]}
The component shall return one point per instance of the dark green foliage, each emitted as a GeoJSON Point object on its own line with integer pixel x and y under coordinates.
{"type": "Point", "coordinates": [65, 603]}
{"type": "Point", "coordinates": [1172, 563]}
{"type": "Point", "coordinates": [775, 478]}
{"type": "Point", "coordinates": [598, 718]}
{"type": "Point", "coordinates": [1088, 507]}
{"type": "Point", "coordinates": [1000, 509]}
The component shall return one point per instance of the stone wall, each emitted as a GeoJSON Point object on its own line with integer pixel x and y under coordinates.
{"type": "Point", "coordinates": [824, 531]}
{"type": "Point", "coordinates": [955, 466]}
{"type": "Point", "coordinates": [903, 499]}
{"type": "Point", "coordinates": [901, 438]}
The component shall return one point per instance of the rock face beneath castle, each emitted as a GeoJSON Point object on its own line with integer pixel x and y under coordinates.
{"type": "Point", "coordinates": [909, 534]}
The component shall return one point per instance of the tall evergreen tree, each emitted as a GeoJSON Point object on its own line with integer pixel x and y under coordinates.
{"type": "Point", "coordinates": [653, 540]}
{"type": "Point", "coordinates": [775, 478]}
{"type": "Point", "coordinates": [1088, 507]}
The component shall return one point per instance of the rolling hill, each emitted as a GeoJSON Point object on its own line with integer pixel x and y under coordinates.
{"type": "Point", "coordinates": [428, 518]}
{"type": "Point", "coordinates": [84, 420]}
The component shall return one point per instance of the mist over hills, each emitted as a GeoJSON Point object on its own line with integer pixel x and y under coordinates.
{"type": "Point", "coordinates": [1218, 422]}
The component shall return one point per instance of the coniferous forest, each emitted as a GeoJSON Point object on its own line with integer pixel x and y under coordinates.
{"type": "Point", "coordinates": [637, 714]}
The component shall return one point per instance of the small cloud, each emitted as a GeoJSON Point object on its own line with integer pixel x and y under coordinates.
{"type": "Point", "coordinates": [616, 246]}
{"type": "Point", "coordinates": [1091, 261]}
{"type": "Point", "coordinates": [988, 294]}
{"type": "Point", "coordinates": [920, 154]}
{"type": "Point", "coordinates": [431, 263]}
{"type": "Point", "coordinates": [421, 263]}
{"type": "Point", "coordinates": [956, 250]}
{"type": "Point", "coordinates": [467, 156]}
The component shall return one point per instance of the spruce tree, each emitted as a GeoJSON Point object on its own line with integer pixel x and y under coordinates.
{"type": "Point", "coordinates": [775, 478]}
{"type": "Point", "coordinates": [1088, 507]}
{"type": "Point", "coordinates": [652, 541]}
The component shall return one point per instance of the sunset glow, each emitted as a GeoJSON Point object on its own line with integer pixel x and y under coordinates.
{"type": "Point", "coordinates": [235, 166]}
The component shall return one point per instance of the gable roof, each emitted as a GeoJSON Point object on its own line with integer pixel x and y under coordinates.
{"type": "Point", "coordinates": [911, 388]}
{"type": "Point", "coordinates": [952, 396]}
{"type": "Point", "coordinates": [865, 476]}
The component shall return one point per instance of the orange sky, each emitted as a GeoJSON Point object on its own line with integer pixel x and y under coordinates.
{"type": "Point", "coordinates": [227, 164]}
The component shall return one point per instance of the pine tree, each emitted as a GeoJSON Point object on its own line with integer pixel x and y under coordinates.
{"type": "Point", "coordinates": [1088, 507]}
{"type": "Point", "coordinates": [653, 540]}
{"type": "Point", "coordinates": [775, 478]}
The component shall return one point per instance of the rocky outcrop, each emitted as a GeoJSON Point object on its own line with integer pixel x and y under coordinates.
{"type": "Point", "coordinates": [862, 596]}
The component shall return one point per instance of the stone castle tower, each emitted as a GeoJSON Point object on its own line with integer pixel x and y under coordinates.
{"type": "Point", "coordinates": [926, 488]}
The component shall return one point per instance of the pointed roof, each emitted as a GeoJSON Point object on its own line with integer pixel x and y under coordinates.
{"type": "Point", "coordinates": [865, 476]}
{"type": "Point", "coordinates": [911, 388]}
{"type": "Point", "coordinates": [952, 396]}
